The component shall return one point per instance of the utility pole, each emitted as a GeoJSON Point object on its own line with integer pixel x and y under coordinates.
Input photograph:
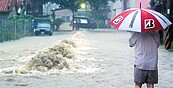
{"type": "Point", "coordinates": [53, 16]}
{"type": "Point", "coordinates": [24, 3]}
{"type": "Point", "coordinates": [1, 39]}
{"type": "Point", "coordinates": [124, 4]}
{"type": "Point", "coordinates": [169, 31]}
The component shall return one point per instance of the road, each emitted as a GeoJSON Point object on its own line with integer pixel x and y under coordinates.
{"type": "Point", "coordinates": [103, 60]}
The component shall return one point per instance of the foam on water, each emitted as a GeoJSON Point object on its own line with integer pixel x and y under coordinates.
{"type": "Point", "coordinates": [59, 58]}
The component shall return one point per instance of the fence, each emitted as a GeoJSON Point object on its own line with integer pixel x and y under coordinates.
{"type": "Point", "coordinates": [14, 29]}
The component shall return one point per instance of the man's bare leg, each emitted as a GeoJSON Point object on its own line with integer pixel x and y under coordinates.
{"type": "Point", "coordinates": [150, 85]}
{"type": "Point", "coordinates": [138, 86]}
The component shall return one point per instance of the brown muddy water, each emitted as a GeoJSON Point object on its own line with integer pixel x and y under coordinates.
{"type": "Point", "coordinates": [80, 59]}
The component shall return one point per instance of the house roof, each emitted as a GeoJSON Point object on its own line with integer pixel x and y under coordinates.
{"type": "Point", "coordinates": [6, 5]}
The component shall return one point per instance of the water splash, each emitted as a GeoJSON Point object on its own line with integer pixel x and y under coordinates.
{"type": "Point", "coordinates": [58, 58]}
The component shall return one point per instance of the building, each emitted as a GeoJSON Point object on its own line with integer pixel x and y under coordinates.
{"type": "Point", "coordinates": [6, 6]}
{"type": "Point", "coordinates": [66, 15]}
{"type": "Point", "coordinates": [117, 6]}
{"type": "Point", "coordinates": [33, 7]}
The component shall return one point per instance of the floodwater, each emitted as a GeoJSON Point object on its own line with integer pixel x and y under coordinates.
{"type": "Point", "coordinates": [93, 59]}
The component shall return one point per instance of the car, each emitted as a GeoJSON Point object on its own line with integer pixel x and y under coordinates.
{"type": "Point", "coordinates": [43, 28]}
{"type": "Point", "coordinates": [84, 22]}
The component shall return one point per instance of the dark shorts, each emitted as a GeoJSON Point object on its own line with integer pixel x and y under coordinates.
{"type": "Point", "coordinates": [145, 76]}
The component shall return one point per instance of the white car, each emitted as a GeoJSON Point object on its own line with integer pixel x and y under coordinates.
{"type": "Point", "coordinates": [43, 28]}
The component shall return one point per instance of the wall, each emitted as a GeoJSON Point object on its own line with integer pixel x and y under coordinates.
{"type": "Point", "coordinates": [115, 8]}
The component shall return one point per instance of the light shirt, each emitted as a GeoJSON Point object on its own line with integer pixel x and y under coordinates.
{"type": "Point", "coordinates": [146, 49]}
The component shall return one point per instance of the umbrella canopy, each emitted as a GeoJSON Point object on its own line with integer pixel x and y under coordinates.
{"type": "Point", "coordinates": [140, 20]}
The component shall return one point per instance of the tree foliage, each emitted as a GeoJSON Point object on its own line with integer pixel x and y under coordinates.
{"type": "Point", "coordinates": [96, 4]}
{"type": "Point", "coordinates": [58, 22]}
{"type": "Point", "coordinates": [99, 10]}
{"type": "Point", "coordinates": [73, 5]}
{"type": "Point", "coordinates": [22, 15]}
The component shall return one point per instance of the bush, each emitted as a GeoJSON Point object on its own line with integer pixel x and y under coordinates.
{"type": "Point", "coordinates": [57, 22]}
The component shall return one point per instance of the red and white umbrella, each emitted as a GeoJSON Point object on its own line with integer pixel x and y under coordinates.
{"type": "Point", "coordinates": [140, 20]}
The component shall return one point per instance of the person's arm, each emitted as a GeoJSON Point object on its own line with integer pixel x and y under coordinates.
{"type": "Point", "coordinates": [133, 39]}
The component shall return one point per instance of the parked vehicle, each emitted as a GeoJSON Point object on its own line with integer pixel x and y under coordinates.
{"type": "Point", "coordinates": [43, 28]}
{"type": "Point", "coordinates": [84, 22]}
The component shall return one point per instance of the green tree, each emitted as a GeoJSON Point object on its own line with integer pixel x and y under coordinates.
{"type": "Point", "coordinates": [58, 22]}
{"type": "Point", "coordinates": [96, 4]}
{"type": "Point", "coordinates": [22, 17]}
{"type": "Point", "coordinates": [99, 11]}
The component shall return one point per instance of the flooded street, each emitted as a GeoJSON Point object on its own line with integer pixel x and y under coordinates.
{"type": "Point", "coordinates": [102, 59]}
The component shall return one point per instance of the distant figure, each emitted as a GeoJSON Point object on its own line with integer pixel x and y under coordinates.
{"type": "Point", "coordinates": [146, 58]}
{"type": "Point", "coordinates": [71, 23]}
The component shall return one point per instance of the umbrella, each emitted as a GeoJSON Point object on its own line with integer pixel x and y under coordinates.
{"type": "Point", "coordinates": [140, 20]}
